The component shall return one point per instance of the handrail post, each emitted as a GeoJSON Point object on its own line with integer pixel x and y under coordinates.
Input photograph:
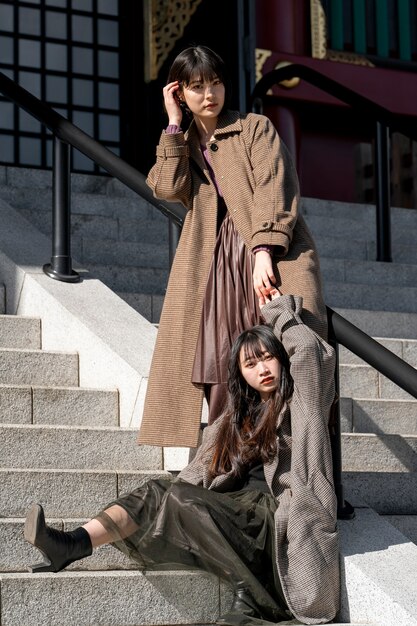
{"type": "Point", "coordinates": [382, 192]}
{"type": "Point", "coordinates": [344, 509]}
{"type": "Point", "coordinates": [60, 267]}
{"type": "Point", "coordinates": [174, 233]}
{"type": "Point", "coordinates": [257, 105]}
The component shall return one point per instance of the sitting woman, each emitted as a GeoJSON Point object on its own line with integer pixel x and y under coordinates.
{"type": "Point", "coordinates": [256, 506]}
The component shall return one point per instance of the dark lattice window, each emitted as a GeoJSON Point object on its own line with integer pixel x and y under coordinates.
{"type": "Point", "coordinates": [65, 52]}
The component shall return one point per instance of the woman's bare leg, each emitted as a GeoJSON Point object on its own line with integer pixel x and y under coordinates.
{"type": "Point", "coordinates": [99, 535]}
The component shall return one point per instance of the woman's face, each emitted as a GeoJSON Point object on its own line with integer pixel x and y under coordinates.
{"type": "Point", "coordinates": [262, 373]}
{"type": "Point", "coordinates": [205, 99]}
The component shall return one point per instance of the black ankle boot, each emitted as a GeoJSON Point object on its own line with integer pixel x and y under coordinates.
{"type": "Point", "coordinates": [243, 606]}
{"type": "Point", "coordinates": [243, 603]}
{"type": "Point", "coordinates": [58, 547]}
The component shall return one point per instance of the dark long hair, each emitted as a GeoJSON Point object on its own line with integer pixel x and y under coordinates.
{"type": "Point", "coordinates": [202, 62]}
{"type": "Point", "coordinates": [249, 427]}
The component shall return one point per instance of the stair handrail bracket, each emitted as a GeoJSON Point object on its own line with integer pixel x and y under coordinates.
{"type": "Point", "coordinates": [384, 121]}
{"type": "Point", "coordinates": [67, 135]}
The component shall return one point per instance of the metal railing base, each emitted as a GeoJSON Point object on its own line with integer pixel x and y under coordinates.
{"type": "Point", "coordinates": [345, 510]}
{"type": "Point", "coordinates": [73, 277]}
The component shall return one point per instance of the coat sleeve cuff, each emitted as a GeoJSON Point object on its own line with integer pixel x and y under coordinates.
{"type": "Point", "coordinates": [282, 312]}
{"type": "Point", "coordinates": [172, 145]}
{"type": "Point", "coordinates": [279, 240]}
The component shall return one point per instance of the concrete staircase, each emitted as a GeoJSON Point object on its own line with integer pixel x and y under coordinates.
{"type": "Point", "coordinates": [62, 445]}
{"type": "Point", "coordinates": [379, 419]}
{"type": "Point", "coordinates": [120, 238]}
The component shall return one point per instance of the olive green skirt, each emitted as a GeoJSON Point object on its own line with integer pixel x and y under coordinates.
{"type": "Point", "coordinates": [184, 526]}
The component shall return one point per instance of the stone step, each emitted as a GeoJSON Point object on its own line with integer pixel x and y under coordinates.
{"type": "Point", "coordinates": [72, 447]}
{"type": "Point", "coordinates": [377, 572]}
{"type": "Point", "coordinates": [131, 279]}
{"type": "Point", "coordinates": [363, 381]}
{"type": "Point", "coordinates": [378, 416]}
{"type": "Point", "coordinates": [85, 226]}
{"type": "Point", "coordinates": [360, 250]}
{"type": "Point", "coordinates": [360, 453]}
{"type": "Point", "coordinates": [16, 554]}
{"type": "Point", "coordinates": [372, 298]}
{"type": "Point", "coordinates": [131, 254]}
{"type": "Point", "coordinates": [369, 452]}
{"type": "Point", "coordinates": [20, 332]}
{"type": "Point", "coordinates": [147, 304]}
{"type": "Point", "coordinates": [105, 188]}
{"type": "Point", "coordinates": [136, 221]}
{"type": "Point", "coordinates": [368, 273]}
{"type": "Point", "coordinates": [406, 349]}
{"type": "Point", "coordinates": [358, 229]}
{"type": "Point", "coordinates": [101, 184]}
{"type": "Point", "coordinates": [83, 204]}
{"type": "Point", "coordinates": [152, 254]}
{"type": "Point", "coordinates": [77, 494]}
{"type": "Point", "coordinates": [338, 294]}
{"type": "Point", "coordinates": [88, 226]}
{"type": "Point", "coordinates": [357, 212]}
{"type": "Point", "coordinates": [406, 524]}
{"type": "Point", "coordinates": [38, 367]}
{"type": "Point", "coordinates": [42, 179]}
{"type": "Point", "coordinates": [389, 493]}
{"type": "Point", "coordinates": [381, 323]}
{"type": "Point", "coordinates": [71, 406]}
{"type": "Point", "coordinates": [119, 203]}
{"type": "Point", "coordinates": [116, 598]}
{"type": "Point", "coordinates": [2, 299]}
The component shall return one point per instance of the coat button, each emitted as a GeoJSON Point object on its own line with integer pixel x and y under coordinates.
{"type": "Point", "coordinates": [214, 147]}
{"type": "Point", "coordinates": [265, 224]}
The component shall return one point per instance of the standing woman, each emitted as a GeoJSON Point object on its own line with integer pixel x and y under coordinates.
{"type": "Point", "coordinates": [241, 237]}
{"type": "Point", "coordinates": [256, 506]}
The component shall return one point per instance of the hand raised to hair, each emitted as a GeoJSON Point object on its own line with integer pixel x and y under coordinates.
{"type": "Point", "coordinates": [171, 101]}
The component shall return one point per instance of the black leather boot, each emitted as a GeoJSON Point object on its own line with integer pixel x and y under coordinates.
{"type": "Point", "coordinates": [243, 603]}
{"type": "Point", "coordinates": [243, 606]}
{"type": "Point", "coordinates": [58, 547]}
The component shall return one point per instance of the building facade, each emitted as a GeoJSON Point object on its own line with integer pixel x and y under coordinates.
{"type": "Point", "coordinates": [103, 63]}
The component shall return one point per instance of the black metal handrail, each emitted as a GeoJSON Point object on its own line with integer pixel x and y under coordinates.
{"type": "Point", "coordinates": [67, 133]}
{"type": "Point", "coordinates": [342, 332]}
{"type": "Point", "coordinates": [384, 120]}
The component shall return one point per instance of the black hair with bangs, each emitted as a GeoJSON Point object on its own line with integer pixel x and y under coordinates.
{"type": "Point", "coordinates": [254, 342]}
{"type": "Point", "coordinates": [203, 63]}
{"type": "Point", "coordinates": [249, 427]}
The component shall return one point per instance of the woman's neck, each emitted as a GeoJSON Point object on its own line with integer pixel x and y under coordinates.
{"type": "Point", "coordinates": [205, 129]}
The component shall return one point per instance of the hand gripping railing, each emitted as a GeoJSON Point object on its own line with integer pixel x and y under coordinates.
{"type": "Point", "coordinates": [384, 120]}
{"type": "Point", "coordinates": [67, 134]}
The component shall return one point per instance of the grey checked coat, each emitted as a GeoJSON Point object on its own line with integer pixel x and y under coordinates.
{"type": "Point", "coordinates": [259, 184]}
{"type": "Point", "coordinates": [300, 477]}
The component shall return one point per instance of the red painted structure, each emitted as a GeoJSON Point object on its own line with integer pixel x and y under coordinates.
{"type": "Point", "coordinates": [319, 130]}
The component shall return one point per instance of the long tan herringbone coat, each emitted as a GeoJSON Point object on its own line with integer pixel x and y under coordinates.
{"type": "Point", "coordinates": [259, 184]}
{"type": "Point", "coordinates": [300, 477]}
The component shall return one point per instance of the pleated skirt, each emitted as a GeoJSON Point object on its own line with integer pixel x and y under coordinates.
{"type": "Point", "coordinates": [230, 305]}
